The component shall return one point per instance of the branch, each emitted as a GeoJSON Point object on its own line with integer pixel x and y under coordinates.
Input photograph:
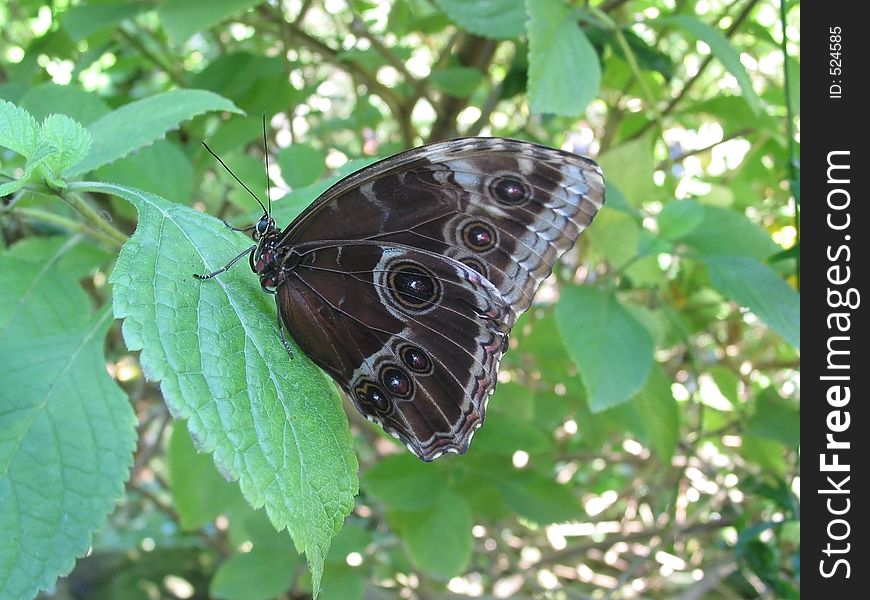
{"type": "Point", "coordinates": [738, 21]}
{"type": "Point", "coordinates": [397, 105]}
{"type": "Point", "coordinates": [473, 51]}
{"type": "Point", "coordinates": [420, 87]}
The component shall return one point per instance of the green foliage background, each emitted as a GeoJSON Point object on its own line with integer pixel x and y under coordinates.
{"type": "Point", "coordinates": [643, 441]}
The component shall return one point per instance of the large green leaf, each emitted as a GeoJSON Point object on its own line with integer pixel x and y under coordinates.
{"type": "Point", "coordinates": [498, 19]}
{"type": "Point", "coordinates": [758, 287]}
{"type": "Point", "coordinates": [140, 123]}
{"type": "Point", "coordinates": [564, 72]}
{"type": "Point", "coordinates": [613, 350]}
{"type": "Point", "coordinates": [274, 424]}
{"type": "Point", "coordinates": [67, 433]}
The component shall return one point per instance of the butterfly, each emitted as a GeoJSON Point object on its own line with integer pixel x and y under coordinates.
{"type": "Point", "coordinates": [404, 279]}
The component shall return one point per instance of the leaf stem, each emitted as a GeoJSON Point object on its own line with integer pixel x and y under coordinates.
{"type": "Point", "coordinates": [91, 216]}
{"type": "Point", "coordinates": [44, 216]}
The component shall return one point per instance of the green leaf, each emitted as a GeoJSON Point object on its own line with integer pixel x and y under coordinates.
{"type": "Point", "coordinates": [162, 169]}
{"type": "Point", "coordinates": [274, 424]}
{"type": "Point", "coordinates": [199, 493]}
{"type": "Point", "coordinates": [616, 235]}
{"type": "Point", "coordinates": [404, 482]}
{"type": "Point", "coordinates": [341, 582]}
{"type": "Point", "coordinates": [142, 122]}
{"type": "Point", "coordinates": [758, 287]}
{"type": "Point", "coordinates": [505, 434]}
{"type": "Point", "coordinates": [613, 350]}
{"type": "Point", "coordinates": [69, 142]}
{"type": "Point", "coordinates": [67, 435]}
{"type": "Point", "coordinates": [564, 72]}
{"type": "Point", "coordinates": [301, 164]}
{"type": "Point", "coordinates": [659, 413]}
{"type": "Point", "coordinates": [456, 81]}
{"type": "Point", "coordinates": [183, 18]}
{"type": "Point", "coordinates": [261, 574]}
{"type": "Point", "coordinates": [76, 103]}
{"type": "Point", "coordinates": [439, 539]}
{"type": "Point", "coordinates": [720, 231]}
{"type": "Point", "coordinates": [721, 48]}
{"type": "Point", "coordinates": [18, 130]}
{"type": "Point", "coordinates": [630, 167]}
{"type": "Point", "coordinates": [680, 218]}
{"type": "Point", "coordinates": [776, 418]}
{"type": "Point", "coordinates": [83, 20]}
{"type": "Point", "coordinates": [497, 19]}
{"type": "Point", "coordinates": [539, 499]}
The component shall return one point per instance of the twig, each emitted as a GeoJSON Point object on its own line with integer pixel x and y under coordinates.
{"type": "Point", "coordinates": [683, 155]}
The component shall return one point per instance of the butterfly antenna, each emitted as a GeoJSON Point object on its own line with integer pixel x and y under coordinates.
{"type": "Point", "coordinates": [266, 154]}
{"type": "Point", "coordinates": [241, 183]}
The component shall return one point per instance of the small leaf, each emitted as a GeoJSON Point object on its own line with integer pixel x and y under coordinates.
{"type": "Point", "coordinates": [539, 499]}
{"type": "Point", "coordinates": [776, 418]}
{"type": "Point", "coordinates": [456, 81]}
{"type": "Point", "coordinates": [275, 424]}
{"type": "Point", "coordinates": [564, 72]}
{"type": "Point", "coordinates": [660, 414]}
{"type": "Point", "coordinates": [404, 483]}
{"type": "Point", "coordinates": [723, 231]}
{"type": "Point", "coordinates": [341, 582]}
{"type": "Point", "coordinates": [630, 167]}
{"type": "Point", "coordinates": [261, 574]}
{"type": "Point", "coordinates": [83, 20]}
{"type": "Point", "coordinates": [439, 538]}
{"type": "Point", "coordinates": [69, 142]}
{"type": "Point", "coordinates": [721, 48]}
{"type": "Point", "coordinates": [199, 493]}
{"type": "Point", "coordinates": [142, 122]}
{"type": "Point", "coordinates": [613, 350]}
{"type": "Point", "coordinates": [182, 18]}
{"type": "Point", "coordinates": [758, 287]}
{"type": "Point", "coordinates": [301, 164]}
{"type": "Point", "coordinates": [18, 130]}
{"type": "Point", "coordinates": [497, 19]}
{"type": "Point", "coordinates": [505, 435]}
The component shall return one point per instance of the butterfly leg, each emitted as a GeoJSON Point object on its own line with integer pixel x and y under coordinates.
{"type": "Point", "coordinates": [284, 340]}
{"type": "Point", "coordinates": [227, 266]}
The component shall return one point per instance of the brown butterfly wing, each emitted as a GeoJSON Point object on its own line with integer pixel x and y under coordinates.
{"type": "Point", "coordinates": [506, 208]}
{"type": "Point", "coordinates": [484, 220]}
{"type": "Point", "coordinates": [413, 338]}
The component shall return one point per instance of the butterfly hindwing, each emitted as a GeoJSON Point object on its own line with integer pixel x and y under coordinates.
{"type": "Point", "coordinates": [412, 337]}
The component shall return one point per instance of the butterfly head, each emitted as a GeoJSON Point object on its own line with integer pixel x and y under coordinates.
{"type": "Point", "coordinates": [264, 227]}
